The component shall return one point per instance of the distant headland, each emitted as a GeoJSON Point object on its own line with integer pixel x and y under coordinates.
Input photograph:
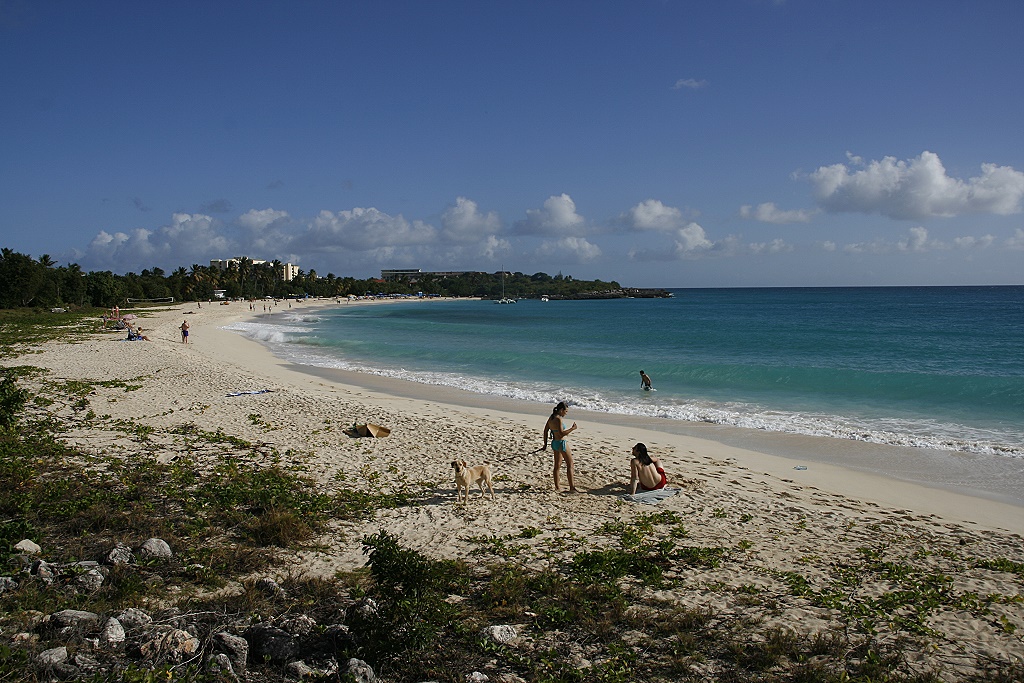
{"type": "Point", "coordinates": [27, 282]}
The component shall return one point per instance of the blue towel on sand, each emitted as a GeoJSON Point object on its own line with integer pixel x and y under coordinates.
{"type": "Point", "coordinates": [651, 497]}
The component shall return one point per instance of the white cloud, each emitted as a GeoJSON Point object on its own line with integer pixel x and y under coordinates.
{"type": "Point", "coordinates": [970, 242]}
{"type": "Point", "coordinates": [187, 239]}
{"type": "Point", "coordinates": [120, 251]}
{"type": "Point", "coordinates": [557, 218]}
{"type": "Point", "coordinates": [856, 248]}
{"type": "Point", "coordinates": [493, 247]}
{"type": "Point", "coordinates": [353, 238]}
{"type": "Point", "coordinates": [362, 230]}
{"type": "Point", "coordinates": [569, 249]}
{"type": "Point", "coordinates": [690, 84]}
{"type": "Point", "coordinates": [692, 238]}
{"type": "Point", "coordinates": [916, 188]}
{"type": "Point", "coordinates": [258, 220]}
{"type": "Point", "coordinates": [1016, 241]}
{"type": "Point", "coordinates": [367, 235]}
{"type": "Point", "coordinates": [769, 213]}
{"type": "Point", "coordinates": [653, 215]}
{"type": "Point", "coordinates": [265, 231]}
{"type": "Point", "coordinates": [195, 227]}
{"type": "Point", "coordinates": [776, 246]}
{"type": "Point", "coordinates": [917, 240]}
{"type": "Point", "coordinates": [688, 241]}
{"type": "Point", "coordinates": [463, 222]}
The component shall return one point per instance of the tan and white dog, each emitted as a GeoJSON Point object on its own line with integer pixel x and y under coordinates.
{"type": "Point", "coordinates": [466, 476]}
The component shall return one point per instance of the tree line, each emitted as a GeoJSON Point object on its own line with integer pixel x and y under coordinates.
{"type": "Point", "coordinates": [42, 283]}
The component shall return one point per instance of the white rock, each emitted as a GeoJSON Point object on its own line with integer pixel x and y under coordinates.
{"type": "Point", "coordinates": [503, 634]}
{"type": "Point", "coordinates": [132, 618]}
{"type": "Point", "coordinates": [91, 580]}
{"type": "Point", "coordinates": [155, 548]}
{"type": "Point", "coordinates": [28, 547]}
{"type": "Point", "coordinates": [120, 554]}
{"type": "Point", "coordinates": [113, 632]}
{"type": "Point", "coordinates": [52, 657]}
{"type": "Point", "coordinates": [360, 671]}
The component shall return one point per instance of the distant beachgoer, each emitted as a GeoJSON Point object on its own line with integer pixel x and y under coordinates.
{"type": "Point", "coordinates": [556, 426]}
{"type": "Point", "coordinates": [184, 332]}
{"type": "Point", "coordinates": [645, 471]}
{"type": "Point", "coordinates": [645, 381]}
{"type": "Point", "coordinates": [135, 334]}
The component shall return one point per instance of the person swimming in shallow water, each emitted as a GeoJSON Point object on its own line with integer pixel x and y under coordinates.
{"type": "Point", "coordinates": [645, 381]}
{"type": "Point", "coordinates": [645, 471]}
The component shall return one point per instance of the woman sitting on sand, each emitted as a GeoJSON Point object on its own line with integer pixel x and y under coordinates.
{"type": "Point", "coordinates": [645, 471]}
{"type": "Point", "coordinates": [136, 334]}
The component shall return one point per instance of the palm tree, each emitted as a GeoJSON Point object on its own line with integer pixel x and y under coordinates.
{"type": "Point", "coordinates": [48, 263]}
{"type": "Point", "coordinates": [200, 283]}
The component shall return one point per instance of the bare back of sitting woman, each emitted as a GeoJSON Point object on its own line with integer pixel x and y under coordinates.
{"type": "Point", "coordinates": [645, 471]}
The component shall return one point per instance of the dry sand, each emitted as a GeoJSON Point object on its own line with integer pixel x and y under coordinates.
{"type": "Point", "coordinates": [775, 519]}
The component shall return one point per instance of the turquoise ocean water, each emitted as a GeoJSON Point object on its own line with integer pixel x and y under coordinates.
{"type": "Point", "coordinates": [931, 367]}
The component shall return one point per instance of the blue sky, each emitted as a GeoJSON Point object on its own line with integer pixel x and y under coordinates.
{"type": "Point", "coordinates": [657, 143]}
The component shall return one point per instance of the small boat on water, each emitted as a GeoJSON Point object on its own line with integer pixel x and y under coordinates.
{"type": "Point", "coordinates": [545, 298]}
{"type": "Point", "coordinates": [504, 299]}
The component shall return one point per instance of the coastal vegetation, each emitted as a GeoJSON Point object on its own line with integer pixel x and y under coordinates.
{"type": "Point", "coordinates": [638, 600]}
{"type": "Point", "coordinates": [27, 282]}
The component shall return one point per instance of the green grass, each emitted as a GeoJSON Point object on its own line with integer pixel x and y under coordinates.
{"type": "Point", "coordinates": [23, 329]}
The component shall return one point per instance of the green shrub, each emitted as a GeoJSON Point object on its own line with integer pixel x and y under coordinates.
{"type": "Point", "coordinates": [12, 401]}
{"type": "Point", "coordinates": [410, 590]}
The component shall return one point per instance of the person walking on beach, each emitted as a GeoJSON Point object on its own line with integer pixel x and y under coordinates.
{"type": "Point", "coordinates": [184, 332]}
{"type": "Point", "coordinates": [556, 426]}
{"type": "Point", "coordinates": [645, 471]}
{"type": "Point", "coordinates": [645, 381]}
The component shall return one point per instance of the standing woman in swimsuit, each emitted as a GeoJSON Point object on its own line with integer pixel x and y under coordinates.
{"type": "Point", "coordinates": [645, 471]}
{"type": "Point", "coordinates": [556, 425]}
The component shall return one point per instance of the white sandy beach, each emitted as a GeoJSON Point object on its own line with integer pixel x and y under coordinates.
{"type": "Point", "coordinates": [776, 518]}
